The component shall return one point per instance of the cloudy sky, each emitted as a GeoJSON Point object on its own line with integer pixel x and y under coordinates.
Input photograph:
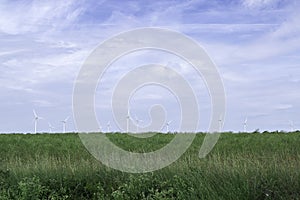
{"type": "Point", "coordinates": [254, 43]}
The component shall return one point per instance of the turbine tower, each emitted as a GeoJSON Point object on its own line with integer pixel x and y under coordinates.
{"type": "Point", "coordinates": [36, 119]}
{"type": "Point", "coordinates": [64, 122]}
{"type": "Point", "coordinates": [50, 127]}
{"type": "Point", "coordinates": [245, 125]}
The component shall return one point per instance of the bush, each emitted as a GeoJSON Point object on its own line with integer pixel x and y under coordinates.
{"type": "Point", "coordinates": [30, 189]}
{"type": "Point", "coordinates": [151, 187]}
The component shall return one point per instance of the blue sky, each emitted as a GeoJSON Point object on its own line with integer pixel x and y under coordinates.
{"type": "Point", "coordinates": [254, 43]}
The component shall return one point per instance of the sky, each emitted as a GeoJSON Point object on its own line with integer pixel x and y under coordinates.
{"type": "Point", "coordinates": [254, 43]}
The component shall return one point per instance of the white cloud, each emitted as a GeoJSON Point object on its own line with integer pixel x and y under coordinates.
{"type": "Point", "coordinates": [5, 53]}
{"type": "Point", "coordinates": [283, 106]}
{"type": "Point", "coordinates": [21, 17]}
{"type": "Point", "coordinates": [43, 103]}
{"type": "Point", "coordinates": [259, 3]}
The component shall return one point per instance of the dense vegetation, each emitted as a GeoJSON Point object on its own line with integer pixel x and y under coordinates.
{"type": "Point", "coordinates": [241, 166]}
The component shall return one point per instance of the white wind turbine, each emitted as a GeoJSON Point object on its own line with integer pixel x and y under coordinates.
{"type": "Point", "coordinates": [137, 121]}
{"type": "Point", "coordinates": [167, 125]}
{"type": "Point", "coordinates": [108, 126]}
{"type": "Point", "coordinates": [245, 124]}
{"type": "Point", "coordinates": [36, 119]}
{"type": "Point", "coordinates": [50, 127]}
{"type": "Point", "coordinates": [127, 121]}
{"type": "Point", "coordinates": [64, 122]}
{"type": "Point", "coordinates": [220, 123]}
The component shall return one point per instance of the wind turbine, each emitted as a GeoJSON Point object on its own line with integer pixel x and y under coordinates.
{"type": "Point", "coordinates": [64, 122]}
{"type": "Point", "coordinates": [167, 125]}
{"type": "Point", "coordinates": [50, 127]}
{"type": "Point", "coordinates": [245, 125]}
{"type": "Point", "coordinates": [220, 123]}
{"type": "Point", "coordinates": [292, 125]}
{"type": "Point", "coordinates": [36, 119]}
{"type": "Point", "coordinates": [127, 121]}
{"type": "Point", "coordinates": [108, 126]}
{"type": "Point", "coordinates": [137, 120]}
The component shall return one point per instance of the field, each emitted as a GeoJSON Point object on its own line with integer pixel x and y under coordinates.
{"type": "Point", "coordinates": [241, 166]}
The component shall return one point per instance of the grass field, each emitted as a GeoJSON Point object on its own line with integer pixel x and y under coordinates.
{"type": "Point", "coordinates": [241, 166]}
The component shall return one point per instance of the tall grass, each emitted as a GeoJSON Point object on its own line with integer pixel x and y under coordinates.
{"type": "Point", "coordinates": [241, 166]}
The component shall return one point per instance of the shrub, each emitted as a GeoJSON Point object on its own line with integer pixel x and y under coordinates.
{"type": "Point", "coordinates": [30, 189]}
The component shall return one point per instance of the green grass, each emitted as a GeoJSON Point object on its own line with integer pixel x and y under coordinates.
{"type": "Point", "coordinates": [241, 166]}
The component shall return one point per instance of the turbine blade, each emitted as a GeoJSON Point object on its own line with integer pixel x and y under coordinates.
{"type": "Point", "coordinates": [34, 113]}
{"type": "Point", "coordinates": [128, 111]}
{"type": "Point", "coordinates": [67, 119]}
{"type": "Point", "coordinates": [50, 126]}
